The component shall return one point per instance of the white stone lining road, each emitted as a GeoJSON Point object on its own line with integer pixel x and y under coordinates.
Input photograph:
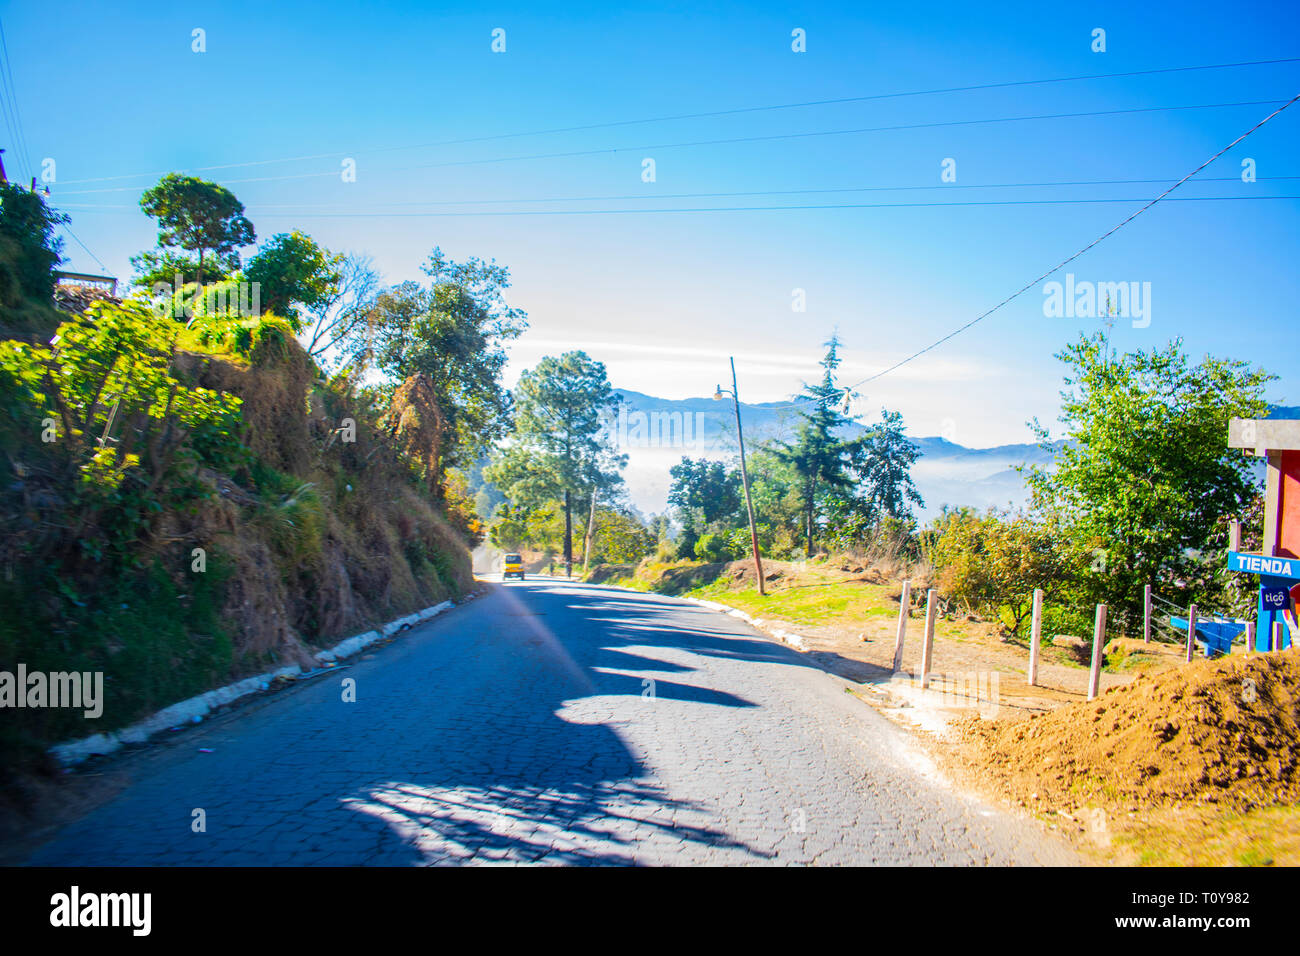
{"type": "Point", "coordinates": [556, 723]}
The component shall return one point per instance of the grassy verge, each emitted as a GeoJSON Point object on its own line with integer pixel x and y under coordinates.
{"type": "Point", "coordinates": [820, 600]}
{"type": "Point", "coordinates": [154, 645]}
{"type": "Point", "coordinates": [1265, 837]}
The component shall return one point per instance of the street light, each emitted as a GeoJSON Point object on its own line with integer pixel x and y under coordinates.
{"type": "Point", "coordinates": [718, 396]}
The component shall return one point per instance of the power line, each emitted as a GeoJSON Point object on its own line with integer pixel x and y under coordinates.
{"type": "Point", "coordinates": [707, 115]}
{"type": "Point", "coordinates": [19, 163]}
{"type": "Point", "coordinates": [83, 246]}
{"type": "Point", "coordinates": [8, 106]}
{"type": "Point", "coordinates": [642, 197]}
{"type": "Point", "coordinates": [745, 139]}
{"type": "Point", "coordinates": [780, 192]}
{"type": "Point", "coordinates": [1060, 265]}
{"type": "Point", "coordinates": [253, 179]}
{"type": "Point", "coordinates": [840, 132]}
{"type": "Point", "coordinates": [13, 96]}
{"type": "Point", "coordinates": [684, 209]}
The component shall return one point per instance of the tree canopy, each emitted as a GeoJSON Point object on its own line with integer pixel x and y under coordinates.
{"type": "Point", "coordinates": [559, 449]}
{"type": "Point", "coordinates": [29, 251]}
{"type": "Point", "coordinates": [199, 217]}
{"type": "Point", "coordinates": [1145, 474]}
{"type": "Point", "coordinates": [819, 455]}
{"type": "Point", "coordinates": [452, 331]}
{"type": "Point", "coordinates": [293, 270]}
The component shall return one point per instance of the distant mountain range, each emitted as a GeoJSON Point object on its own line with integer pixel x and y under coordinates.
{"type": "Point", "coordinates": [656, 432]}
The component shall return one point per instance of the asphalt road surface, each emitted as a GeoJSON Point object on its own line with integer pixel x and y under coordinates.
{"type": "Point", "coordinates": [556, 723]}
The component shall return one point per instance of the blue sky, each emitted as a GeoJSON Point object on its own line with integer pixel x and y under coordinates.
{"type": "Point", "coordinates": [115, 95]}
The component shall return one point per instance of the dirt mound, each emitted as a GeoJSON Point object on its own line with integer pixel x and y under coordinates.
{"type": "Point", "coordinates": [678, 580]}
{"type": "Point", "coordinates": [742, 573]}
{"type": "Point", "coordinates": [1222, 731]}
{"type": "Point", "coordinates": [600, 573]}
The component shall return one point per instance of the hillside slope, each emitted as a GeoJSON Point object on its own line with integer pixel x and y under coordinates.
{"type": "Point", "coordinates": [180, 515]}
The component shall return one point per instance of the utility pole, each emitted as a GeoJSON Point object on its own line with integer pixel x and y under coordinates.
{"type": "Point", "coordinates": [568, 537]}
{"type": "Point", "coordinates": [744, 476]}
{"type": "Point", "coordinates": [591, 525]}
{"type": "Point", "coordinates": [3, 177]}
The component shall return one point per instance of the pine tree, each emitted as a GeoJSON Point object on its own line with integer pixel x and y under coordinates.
{"type": "Point", "coordinates": [559, 450]}
{"type": "Point", "coordinates": [821, 458]}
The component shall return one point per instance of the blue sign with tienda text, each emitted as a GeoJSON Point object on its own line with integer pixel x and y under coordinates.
{"type": "Point", "coordinates": [1259, 564]}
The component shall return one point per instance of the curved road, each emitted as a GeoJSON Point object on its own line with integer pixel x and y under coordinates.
{"type": "Point", "coordinates": [557, 723]}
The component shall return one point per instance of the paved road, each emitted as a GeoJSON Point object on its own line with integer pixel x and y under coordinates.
{"type": "Point", "coordinates": [558, 723]}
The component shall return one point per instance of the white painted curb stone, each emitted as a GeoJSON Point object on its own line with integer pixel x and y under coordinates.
{"type": "Point", "coordinates": [789, 637]}
{"type": "Point", "coordinates": [194, 709]}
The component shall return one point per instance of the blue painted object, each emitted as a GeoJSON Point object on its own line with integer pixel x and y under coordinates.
{"type": "Point", "coordinates": [1217, 636]}
{"type": "Point", "coordinates": [1270, 567]}
{"type": "Point", "coordinates": [1269, 614]}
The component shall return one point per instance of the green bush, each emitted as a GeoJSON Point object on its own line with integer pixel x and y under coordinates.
{"type": "Point", "coordinates": [714, 547]}
{"type": "Point", "coordinates": [991, 563]}
{"type": "Point", "coordinates": [113, 434]}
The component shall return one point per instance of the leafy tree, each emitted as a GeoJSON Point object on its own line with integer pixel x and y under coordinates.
{"type": "Point", "coordinates": [705, 493]}
{"type": "Point", "coordinates": [880, 464]}
{"type": "Point", "coordinates": [1145, 474]}
{"type": "Point", "coordinates": [884, 464]}
{"type": "Point", "coordinates": [821, 458]}
{"type": "Point", "coordinates": [517, 528]}
{"type": "Point", "coordinates": [620, 538]}
{"type": "Point", "coordinates": [161, 268]}
{"type": "Point", "coordinates": [559, 449]}
{"type": "Point", "coordinates": [606, 489]}
{"type": "Point", "coordinates": [452, 332]}
{"type": "Point", "coordinates": [294, 270]}
{"type": "Point", "coordinates": [709, 487]}
{"type": "Point", "coordinates": [199, 217]}
{"type": "Point", "coordinates": [128, 432]}
{"type": "Point", "coordinates": [29, 251]}
{"type": "Point", "coordinates": [714, 548]}
{"type": "Point", "coordinates": [458, 505]}
{"type": "Point", "coordinates": [774, 486]}
{"type": "Point", "coordinates": [992, 563]}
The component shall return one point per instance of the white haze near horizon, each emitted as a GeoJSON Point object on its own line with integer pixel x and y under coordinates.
{"type": "Point", "coordinates": [967, 401]}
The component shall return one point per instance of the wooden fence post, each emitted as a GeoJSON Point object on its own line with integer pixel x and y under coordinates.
{"type": "Point", "coordinates": [927, 646]}
{"type": "Point", "coordinates": [1191, 631]}
{"type": "Point", "coordinates": [905, 605]}
{"type": "Point", "coordinates": [1098, 639]}
{"type": "Point", "coordinates": [1035, 635]}
{"type": "Point", "coordinates": [1146, 615]}
{"type": "Point", "coordinates": [1277, 635]}
{"type": "Point", "coordinates": [1250, 637]}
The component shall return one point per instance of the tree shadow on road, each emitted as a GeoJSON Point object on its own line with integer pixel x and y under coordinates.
{"type": "Point", "coordinates": [462, 744]}
{"type": "Point", "coordinates": [544, 788]}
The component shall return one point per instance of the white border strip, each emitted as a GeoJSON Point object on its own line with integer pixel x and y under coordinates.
{"type": "Point", "coordinates": [789, 637]}
{"type": "Point", "coordinates": [193, 710]}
